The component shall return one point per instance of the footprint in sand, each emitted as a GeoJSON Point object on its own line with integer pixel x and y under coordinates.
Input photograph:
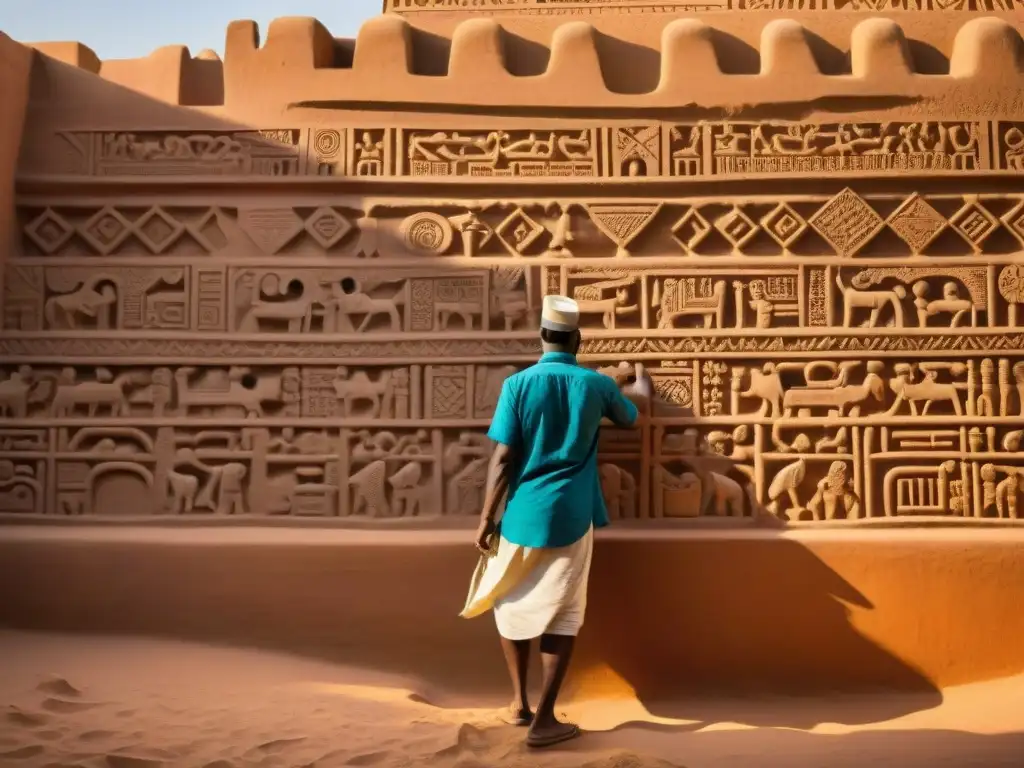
{"type": "Point", "coordinates": [58, 686]}
{"type": "Point", "coordinates": [26, 719]}
{"type": "Point", "coordinates": [130, 761]}
{"type": "Point", "coordinates": [95, 735]}
{"type": "Point", "coordinates": [370, 758]}
{"type": "Point", "coordinates": [277, 744]}
{"type": "Point", "coordinates": [65, 707]}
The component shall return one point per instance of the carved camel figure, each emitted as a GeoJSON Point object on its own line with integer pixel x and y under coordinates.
{"type": "Point", "coordinates": [837, 398]}
{"type": "Point", "coordinates": [358, 387]}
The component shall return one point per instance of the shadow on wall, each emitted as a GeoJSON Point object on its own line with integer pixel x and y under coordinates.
{"type": "Point", "coordinates": [754, 617]}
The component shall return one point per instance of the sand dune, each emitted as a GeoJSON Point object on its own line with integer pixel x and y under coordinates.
{"type": "Point", "coordinates": [92, 702]}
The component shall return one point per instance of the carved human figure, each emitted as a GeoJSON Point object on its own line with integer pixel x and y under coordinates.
{"type": "Point", "coordinates": [1013, 141]}
{"type": "Point", "coordinates": [183, 490]}
{"type": "Point", "coordinates": [619, 490]}
{"type": "Point", "coordinates": [14, 393]}
{"type": "Point", "coordinates": [833, 490]}
{"type": "Point", "coordinates": [1007, 492]}
{"type": "Point", "coordinates": [951, 302]}
{"type": "Point", "coordinates": [1018, 375]}
{"type": "Point", "coordinates": [231, 489]}
{"type": "Point", "coordinates": [161, 385]}
{"type": "Point", "coordinates": [370, 159]}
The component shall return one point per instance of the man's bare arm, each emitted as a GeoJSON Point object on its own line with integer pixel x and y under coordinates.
{"type": "Point", "coordinates": [498, 470]}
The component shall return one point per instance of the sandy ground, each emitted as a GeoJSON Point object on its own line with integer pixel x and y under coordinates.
{"type": "Point", "coordinates": [100, 702]}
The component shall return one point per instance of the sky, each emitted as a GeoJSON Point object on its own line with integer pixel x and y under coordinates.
{"type": "Point", "coordinates": [127, 29]}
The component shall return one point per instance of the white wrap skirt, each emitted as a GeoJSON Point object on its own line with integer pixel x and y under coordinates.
{"type": "Point", "coordinates": [533, 592]}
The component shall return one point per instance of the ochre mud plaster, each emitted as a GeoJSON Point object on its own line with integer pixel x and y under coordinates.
{"type": "Point", "coordinates": [290, 284]}
{"type": "Point", "coordinates": [15, 66]}
{"type": "Point", "coordinates": [677, 613]}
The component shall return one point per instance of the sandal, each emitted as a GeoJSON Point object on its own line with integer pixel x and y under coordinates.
{"type": "Point", "coordinates": [539, 742]}
{"type": "Point", "coordinates": [521, 718]}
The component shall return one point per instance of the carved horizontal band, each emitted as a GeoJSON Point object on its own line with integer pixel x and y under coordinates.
{"type": "Point", "coordinates": [965, 463]}
{"type": "Point", "coordinates": [658, 150]}
{"type": "Point", "coordinates": [97, 347]}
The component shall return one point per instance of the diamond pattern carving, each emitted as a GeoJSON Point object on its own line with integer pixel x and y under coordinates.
{"type": "Point", "coordinates": [1014, 221]}
{"type": "Point", "coordinates": [917, 223]}
{"type": "Point", "coordinates": [974, 223]}
{"type": "Point", "coordinates": [737, 227]}
{"type": "Point", "coordinates": [847, 222]}
{"type": "Point", "coordinates": [49, 231]}
{"type": "Point", "coordinates": [106, 230]}
{"type": "Point", "coordinates": [784, 225]}
{"type": "Point", "coordinates": [327, 227]}
{"type": "Point", "coordinates": [158, 231]}
{"type": "Point", "coordinates": [691, 229]}
{"type": "Point", "coordinates": [519, 231]}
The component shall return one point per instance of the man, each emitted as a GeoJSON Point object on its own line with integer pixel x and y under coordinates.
{"type": "Point", "coordinates": [534, 572]}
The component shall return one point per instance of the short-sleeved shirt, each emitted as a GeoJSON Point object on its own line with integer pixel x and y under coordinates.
{"type": "Point", "coordinates": [550, 415]}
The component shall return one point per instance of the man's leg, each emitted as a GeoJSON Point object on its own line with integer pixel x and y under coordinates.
{"type": "Point", "coordinates": [555, 653]}
{"type": "Point", "coordinates": [517, 657]}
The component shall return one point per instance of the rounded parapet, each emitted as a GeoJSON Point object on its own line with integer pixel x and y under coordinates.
{"type": "Point", "coordinates": [687, 53]}
{"type": "Point", "coordinates": [383, 48]}
{"type": "Point", "coordinates": [241, 39]}
{"type": "Point", "coordinates": [574, 58]}
{"type": "Point", "coordinates": [878, 49]}
{"type": "Point", "coordinates": [987, 48]}
{"type": "Point", "coordinates": [478, 50]}
{"type": "Point", "coordinates": [72, 53]}
{"type": "Point", "coordinates": [785, 51]}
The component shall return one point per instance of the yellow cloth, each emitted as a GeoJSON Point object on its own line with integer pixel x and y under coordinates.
{"type": "Point", "coordinates": [533, 591]}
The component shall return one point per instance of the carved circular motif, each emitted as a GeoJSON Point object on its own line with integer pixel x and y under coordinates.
{"type": "Point", "coordinates": [327, 143]}
{"type": "Point", "coordinates": [1011, 284]}
{"type": "Point", "coordinates": [429, 232]}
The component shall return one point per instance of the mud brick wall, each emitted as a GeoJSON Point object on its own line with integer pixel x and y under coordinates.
{"type": "Point", "coordinates": [275, 304]}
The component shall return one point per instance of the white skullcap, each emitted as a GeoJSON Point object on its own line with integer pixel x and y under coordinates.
{"type": "Point", "coordinates": [560, 313]}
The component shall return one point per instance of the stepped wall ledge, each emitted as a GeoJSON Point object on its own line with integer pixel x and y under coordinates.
{"type": "Point", "coordinates": [555, 67]}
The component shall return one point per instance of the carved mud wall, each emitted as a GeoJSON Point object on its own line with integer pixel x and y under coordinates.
{"type": "Point", "coordinates": [312, 316]}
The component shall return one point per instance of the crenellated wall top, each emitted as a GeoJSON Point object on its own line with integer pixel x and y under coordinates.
{"type": "Point", "coordinates": [481, 66]}
{"type": "Point", "coordinates": [633, 7]}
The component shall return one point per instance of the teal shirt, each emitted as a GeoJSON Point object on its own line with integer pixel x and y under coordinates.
{"type": "Point", "coordinates": [550, 415]}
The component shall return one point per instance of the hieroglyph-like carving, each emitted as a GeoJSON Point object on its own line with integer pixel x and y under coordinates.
{"type": "Point", "coordinates": [215, 153]}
